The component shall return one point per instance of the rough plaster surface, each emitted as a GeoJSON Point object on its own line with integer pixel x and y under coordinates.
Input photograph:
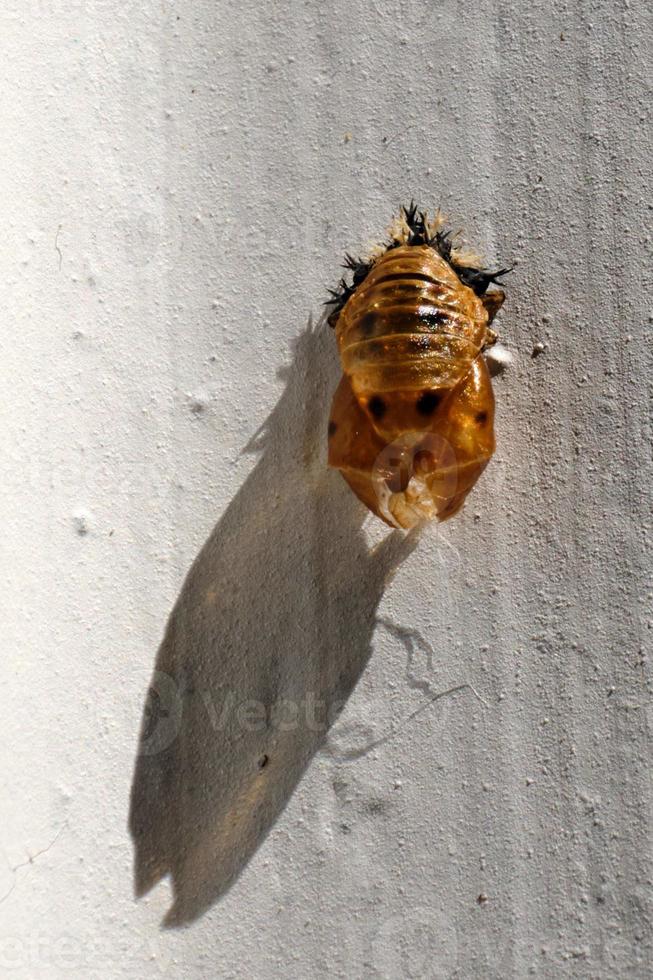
{"type": "Point", "coordinates": [179, 182]}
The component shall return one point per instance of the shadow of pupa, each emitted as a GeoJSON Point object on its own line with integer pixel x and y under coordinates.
{"type": "Point", "coordinates": [268, 637]}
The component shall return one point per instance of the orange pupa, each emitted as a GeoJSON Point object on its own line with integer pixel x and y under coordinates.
{"type": "Point", "coordinates": [411, 426]}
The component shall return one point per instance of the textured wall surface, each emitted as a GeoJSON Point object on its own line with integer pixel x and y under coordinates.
{"type": "Point", "coordinates": [179, 181]}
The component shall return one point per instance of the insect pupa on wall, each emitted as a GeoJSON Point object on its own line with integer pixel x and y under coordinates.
{"type": "Point", "coordinates": [411, 427]}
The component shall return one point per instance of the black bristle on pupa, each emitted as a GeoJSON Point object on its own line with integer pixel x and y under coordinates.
{"type": "Point", "coordinates": [441, 242]}
{"type": "Point", "coordinates": [478, 279]}
{"type": "Point", "coordinates": [344, 290]}
{"type": "Point", "coordinates": [416, 221]}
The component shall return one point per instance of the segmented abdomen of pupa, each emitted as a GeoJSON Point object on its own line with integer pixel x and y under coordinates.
{"type": "Point", "coordinates": [407, 336]}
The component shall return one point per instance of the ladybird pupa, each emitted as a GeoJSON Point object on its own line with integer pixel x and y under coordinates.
{"type": "Point", "coordinates": [412, 421]}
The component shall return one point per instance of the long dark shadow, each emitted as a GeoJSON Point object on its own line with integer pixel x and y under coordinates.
{"type": "Point", "coordinates": [268, 638]}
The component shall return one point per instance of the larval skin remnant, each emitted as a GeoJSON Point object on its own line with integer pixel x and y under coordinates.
{"type": "Point", "coordinates": [412, 421]}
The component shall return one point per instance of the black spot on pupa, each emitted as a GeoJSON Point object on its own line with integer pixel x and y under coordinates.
{"type": "Point", "coordinates": [377, 406]}
{"type": "Point", "coordinates": [427, 402]}
{"type": "Point", "coordinates": [332, 427]}
{"type": "Point", "coordinates": [481, 417]}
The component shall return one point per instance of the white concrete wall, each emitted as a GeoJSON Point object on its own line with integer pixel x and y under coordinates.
{"type": "Point", "coordinates": [179, 181]}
